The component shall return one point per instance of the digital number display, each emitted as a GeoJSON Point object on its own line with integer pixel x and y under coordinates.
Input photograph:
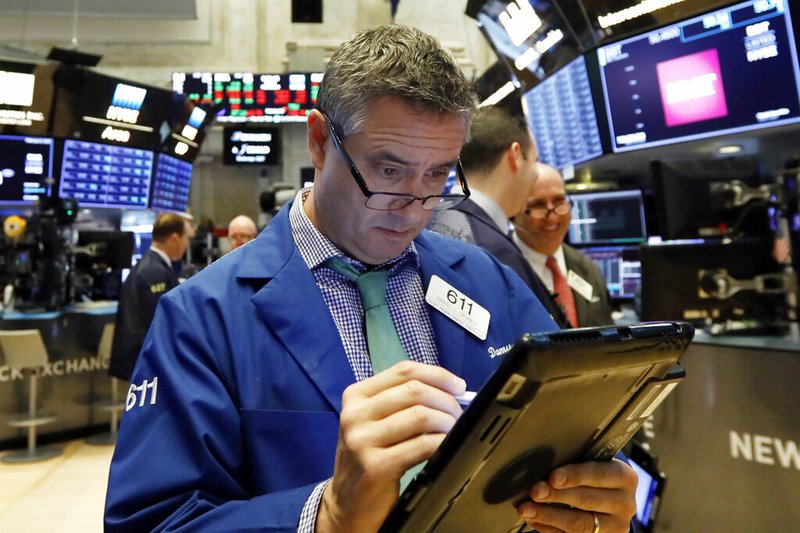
{"type": "Point", "coordinates": [251, 97]}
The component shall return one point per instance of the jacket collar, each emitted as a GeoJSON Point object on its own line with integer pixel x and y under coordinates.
{"type": "Point", "coordinates": [293, 307]}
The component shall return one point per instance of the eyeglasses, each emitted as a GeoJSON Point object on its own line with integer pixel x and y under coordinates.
{"type": "Point", "coordinates": [391, 201]}
{"type": "Point", "coordinates": [539, 210]}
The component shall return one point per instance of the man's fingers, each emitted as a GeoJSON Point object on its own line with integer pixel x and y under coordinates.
{"type": "Point", "coordinates": [405, 371]}
{"type": "Point", "coordinates": [613, 474]}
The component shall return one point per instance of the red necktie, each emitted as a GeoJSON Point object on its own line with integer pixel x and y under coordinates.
{"type": "Point", "coordinates": [563, 292]}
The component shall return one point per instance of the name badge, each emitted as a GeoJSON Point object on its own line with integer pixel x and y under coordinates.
{"type": "Point", "coordinates": [458, 307]}
{"type": "Point", "coordinates": [580, 285]}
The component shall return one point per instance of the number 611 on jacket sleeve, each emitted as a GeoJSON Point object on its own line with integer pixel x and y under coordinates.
{"type": "Point", "coordinates": [141, 393]}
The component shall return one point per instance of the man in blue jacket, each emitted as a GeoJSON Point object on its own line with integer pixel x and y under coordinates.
{"type": "Point", "coordinates": [254, 404]}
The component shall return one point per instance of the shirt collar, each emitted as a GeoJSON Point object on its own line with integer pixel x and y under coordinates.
{"type": "Point", "coordinates": [537, 259]}
{"type": "Point", "coordinates": [161, 253]}
{"type": "Point", "coordinates": [492, 208]}
{"type": "Point", "coordinates": [315, 248]}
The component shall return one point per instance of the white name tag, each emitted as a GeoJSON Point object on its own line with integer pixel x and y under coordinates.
{"type": "Point", "coordinates": [580, 285]}
{"type": "Point", "coordinates": [459, 308]}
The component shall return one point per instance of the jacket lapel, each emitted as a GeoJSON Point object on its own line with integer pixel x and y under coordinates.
{"type": "Point", "coordinates": [291, 304]}
{"type": "Point", "coordinates": [450, 337]}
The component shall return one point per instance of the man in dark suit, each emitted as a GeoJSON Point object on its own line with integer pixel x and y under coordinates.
{"type": "Point", "coordinates": [540, 232]}
{"type": "Point", "coordinates": [152, 276]}
{"type": "Point", "coordinates": [500, 164]}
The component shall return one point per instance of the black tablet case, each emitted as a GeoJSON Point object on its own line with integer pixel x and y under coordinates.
{"type": "Point", "coordinates": [557, 398]}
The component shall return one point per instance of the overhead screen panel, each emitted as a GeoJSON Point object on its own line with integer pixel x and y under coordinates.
{"type": "Point", "coordinates": [531, 36]}
{"type": "Point", "coordinates": [729, 71]}
{"type": "Point", "coordinates": [615, 19]}
{"type": "Point", "coordinates": [26, 166]}
{"type": "Point", "coordinates": [251, 145]}
{"type": "Point", "coordinates": [26, 95]}
{"type": "Point", "coordinates": [101, 175]}
{"type": "Point", "coordinates": [99, 108]}
{"type": "Point", "coordinates": [251, 97]}
{"type": "Point", "coordinates": [561, 113]}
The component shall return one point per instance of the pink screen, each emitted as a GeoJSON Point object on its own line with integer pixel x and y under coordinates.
{"type": "Point", "coordinates": [691, 88]}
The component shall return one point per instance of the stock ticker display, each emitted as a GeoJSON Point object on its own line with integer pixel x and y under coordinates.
{"type": "Point", "coordinates": [251, 97]}
{"type": "Point", "coordinates": [171, 183]}
{"type": "Point", "coordinates": [104, 175]}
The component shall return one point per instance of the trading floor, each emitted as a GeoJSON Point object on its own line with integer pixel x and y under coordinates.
{"type": "Point", "coordinates": [63, 494]}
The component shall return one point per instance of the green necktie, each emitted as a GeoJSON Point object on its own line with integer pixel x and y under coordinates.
{"type": "Point", "coordinates": [383, 344]}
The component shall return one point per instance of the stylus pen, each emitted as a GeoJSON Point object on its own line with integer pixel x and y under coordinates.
{"type": "Point", "coordinates": [466, 398]}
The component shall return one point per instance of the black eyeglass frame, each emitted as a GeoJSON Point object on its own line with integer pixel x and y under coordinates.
{"type": "Point", "coordinates": [567, 201]}
{"type": "Point", "coordinates": [362, 184]}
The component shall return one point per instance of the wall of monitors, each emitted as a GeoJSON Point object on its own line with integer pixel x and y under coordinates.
{"type": "Point", "coordinates": [728, 71]}
{"type": "Point", "coordinates": [26, 167]}
{"type": "Point", "coordinates": [251, 97]}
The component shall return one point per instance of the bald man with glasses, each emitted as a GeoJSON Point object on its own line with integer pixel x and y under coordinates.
{"type": "Point", "coordinates": [576, 281]}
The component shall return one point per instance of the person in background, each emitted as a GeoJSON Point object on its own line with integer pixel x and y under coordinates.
{"type": "Point", "coordinates": [268, 398]}
{"type": "Point", "coordinates": [242, 229]}
{"type": "Point", "coordinates": [575, 279]}
{"type": "Point", "coordinates": [500, 163]}
{"type": "Point", "coordinates": [152, 276]}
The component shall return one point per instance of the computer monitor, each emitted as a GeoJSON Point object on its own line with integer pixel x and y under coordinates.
{"type": "Point", "coordinates": [102, 175]}
{"type": "Point", "coordinates": [677, 281]}
{"type": "Point", "coordinates": [621, 268]}
{"type": "Point", "coordinates": [688, 208]}
{"type": "Point", "coordinates": [561, 114]}
{"type": "Point", "coordinates": [26, 168]}
{"type": "Point", "coordinates": [607, 217]}
{"type": "Point", "coordinates": [728, 71]}
{"type": "Point", "coordinates": [171, 184]}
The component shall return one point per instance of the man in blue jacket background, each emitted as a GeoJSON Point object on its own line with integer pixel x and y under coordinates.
{"type": "Point", "coordinates": [254, 404]}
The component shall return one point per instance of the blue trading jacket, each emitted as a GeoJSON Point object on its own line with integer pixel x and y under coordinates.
{"type": "Point", "coordinates": [232, 418]}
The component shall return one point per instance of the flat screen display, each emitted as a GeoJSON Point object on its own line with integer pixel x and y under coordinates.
{"type": "Point", "coordinates": [621, 268]}
{"type": "Point", "coordinates": [103, 175]}
{"type": "Point", "coordinates": [251, 146]}
{"type": "Point", "coordinates": [607, 217]}
{"type": "Point", "coordinates": [251, 97]}
{"type": "Point", "coordinates": [561, 113]}
{"type": "Point", "coordinates": [185, 129]}
{"type": "Point", "coordinates": [725, 72]}
{"type": "Point", "coordinates": [615, 19]}
{"type": "Point", "coordinates": [99, 108]}
{"type": "Point", "coordinates": [26, 94]}
{"type": "Point", "coordinates": [531, 36]}
{"type": "Point", "coordinates": [26, 165]}
{"type": "Point", "coordinates": [171, 183]}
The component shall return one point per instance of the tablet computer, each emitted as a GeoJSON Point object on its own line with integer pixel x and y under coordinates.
{"type": "Point", "coordinates": [557, 398]}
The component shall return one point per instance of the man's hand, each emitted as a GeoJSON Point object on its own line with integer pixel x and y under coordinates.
{"type": "Point", "coordinates": [389, 423]}
{"type": "Point", "coordinates": [606, 491]}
